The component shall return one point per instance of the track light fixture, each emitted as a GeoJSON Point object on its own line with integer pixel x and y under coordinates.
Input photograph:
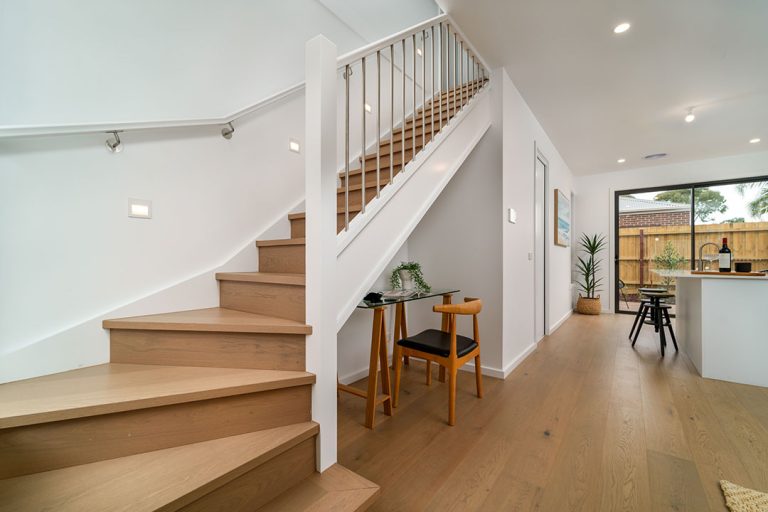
{"type": "Point", "coordinates": [227, 131]}
{"type": "Point", "coordinates": [114, 145]}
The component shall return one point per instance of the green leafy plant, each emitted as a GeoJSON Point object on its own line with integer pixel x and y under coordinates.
{"type": "Point", "coordinates": [668, 259]}
{"type": "Point", "coordinates": [415, 270]}
{"type": "Point", "coordinates": [589, 267]}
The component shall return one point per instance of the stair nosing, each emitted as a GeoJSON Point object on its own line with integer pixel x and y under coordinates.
{"type": "Point", "coordinates": [263, 277]}
{"type": "Point", "coordinates": [281, 242]}
{"type": "Point", "coordinates": [117, 399]}
{"type": "Point", "coordinates": [260, 325]}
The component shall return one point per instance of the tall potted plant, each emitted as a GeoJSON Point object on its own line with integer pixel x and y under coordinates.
{"type": "Point", "coordinates": [589, 283]}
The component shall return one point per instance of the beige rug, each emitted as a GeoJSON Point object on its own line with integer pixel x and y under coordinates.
{"type": "Point", "coordinates": [741, 499]}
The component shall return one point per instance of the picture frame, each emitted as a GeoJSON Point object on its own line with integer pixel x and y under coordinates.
{"type": "Point", "coordinates": [562, 226]}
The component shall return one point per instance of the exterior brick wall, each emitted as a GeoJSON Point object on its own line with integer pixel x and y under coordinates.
{"type": "Point", "coordinates": [641, 220]}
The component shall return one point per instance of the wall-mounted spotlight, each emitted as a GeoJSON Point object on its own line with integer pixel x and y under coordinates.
{"type": "Point", "coordinates": [227, 131]}
{"type": "Point", "coordinates": [113, 143]}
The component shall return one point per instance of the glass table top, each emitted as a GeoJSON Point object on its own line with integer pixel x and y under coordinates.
{"type": "Point", "coordinates": [417, 296]}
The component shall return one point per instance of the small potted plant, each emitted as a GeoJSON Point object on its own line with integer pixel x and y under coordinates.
{"type": "Point", "coordinates": [408, 276]}
{"type": "Point", "coordinates": [589, 283]}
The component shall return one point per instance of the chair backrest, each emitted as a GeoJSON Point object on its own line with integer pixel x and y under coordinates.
{"type": "Point", "coordinates": [471, 306]}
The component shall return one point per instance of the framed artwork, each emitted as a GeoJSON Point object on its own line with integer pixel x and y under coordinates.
{"type": "Point", "coordinates": [562, 219]}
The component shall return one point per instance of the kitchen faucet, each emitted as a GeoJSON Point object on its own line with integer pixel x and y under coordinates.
{"type": "Point", "coordinates": [701, 261]}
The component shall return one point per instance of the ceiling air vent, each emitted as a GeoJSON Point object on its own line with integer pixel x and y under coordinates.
{"type": "Point", "coordinates": [655, 156]}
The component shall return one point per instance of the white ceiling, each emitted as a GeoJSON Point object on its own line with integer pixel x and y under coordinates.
{"type": "Point", "coordinates": [602, 96]}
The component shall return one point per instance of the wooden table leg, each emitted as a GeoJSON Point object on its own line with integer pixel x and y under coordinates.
{"type": "Point", "coordinates": [373, 367]}
{"type": "Point", "coordinates": [403, 330]}
{"type": "Point", "coordinates": [444, 327]}
{"type": "Point", "coordinates": [386, 386]}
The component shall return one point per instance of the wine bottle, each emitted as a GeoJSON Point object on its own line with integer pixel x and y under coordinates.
{"type": "Point", "coordinates": [725, 257]}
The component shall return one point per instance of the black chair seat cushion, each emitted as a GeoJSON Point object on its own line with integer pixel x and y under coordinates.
{"type": "Point", "coordinates": [434, 341]}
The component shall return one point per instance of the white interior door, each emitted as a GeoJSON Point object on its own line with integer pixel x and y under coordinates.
{"type": "Point", "coordinates": [540, 241]}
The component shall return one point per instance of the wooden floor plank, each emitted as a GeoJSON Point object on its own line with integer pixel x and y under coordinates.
{"type": "Point", "coordinates": [628, 431]}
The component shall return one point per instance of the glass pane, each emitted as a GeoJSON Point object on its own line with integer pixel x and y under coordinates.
{"type": "Point", "coordinates": [738, 213]}
{"type": "Point", "coordinates": [654, 243]}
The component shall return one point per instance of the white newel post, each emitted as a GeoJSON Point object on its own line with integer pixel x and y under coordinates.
{"type": "Point", "coordinates": [320, 180]}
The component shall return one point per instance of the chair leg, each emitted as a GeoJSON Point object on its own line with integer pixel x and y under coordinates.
{"type": "Point", "coordinates": [671, 332]}
{"type": "Point", "coordinates": [478, 377]}
{"type": "Point", "coordinates": [441, 374]}
{"type": "Point", "coordinates": [660, 330]}
{"type": "Point", "coordinates": [429, 372]}
{"type": "Point", "coordinates": [637, 317]}
{"type": "Point", "coordinates": [397, 362]}
{"type": "Point", "coordinates": [452, 396]}
{"type": "Point", "coordinates": [640, 325]}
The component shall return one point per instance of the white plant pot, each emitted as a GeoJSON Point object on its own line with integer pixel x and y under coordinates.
{"type": "Point", "coordinates": [406, 280]}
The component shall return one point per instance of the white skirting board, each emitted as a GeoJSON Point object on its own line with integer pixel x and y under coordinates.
{"type": "Point", "coordinates": [560, 322]}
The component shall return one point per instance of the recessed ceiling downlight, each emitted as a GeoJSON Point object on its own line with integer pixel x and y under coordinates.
{"type": "Point", "coordinates": [621, 160]}
{"type": "Point", "coordinates": [621, 28]}
{"type": "Point", "coordinates": [755, 140]}
{"type": "Point", "coordinates": [655, 156]}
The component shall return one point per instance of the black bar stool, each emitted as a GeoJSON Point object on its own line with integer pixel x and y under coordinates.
{"type": "Point", "coordinates": [659, 318]}
{"type": "Point", "coordinates": [643, 304]}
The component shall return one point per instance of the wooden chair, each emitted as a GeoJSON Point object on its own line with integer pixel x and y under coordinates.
{"type": "Point", "coordinates": [448, 349]}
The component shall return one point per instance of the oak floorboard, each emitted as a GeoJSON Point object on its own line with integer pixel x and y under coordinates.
{"type": "Point", "coordinates": [627, 429]}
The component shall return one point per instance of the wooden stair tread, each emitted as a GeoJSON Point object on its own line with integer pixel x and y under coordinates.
{"type": "Point", "coordinates": [353, 208]}
{"type": "Point", "coordinates": [263, 277]}
{"type": "Point", "coordinates": [337, 489]}
{"type": "Point", "coordinates": [281, 241]}
{"type": "Point", "coordinates": [159, 480]}
{"type": "Point", "coordinates": [112, 387]}
{"type": "Point", "coordinates": [211, 320]}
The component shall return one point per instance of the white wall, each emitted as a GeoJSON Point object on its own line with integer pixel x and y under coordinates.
{"type": "Point", "coordinates": [595, 201]}
{"type": "Point", "coordinates": [70, 253]}
{"type": "Point", "coordinates": [458, 243]}
{"type": "Point", "coordinates": [87, 62]}
{"type": "Point", "coordinates": [521, 132]}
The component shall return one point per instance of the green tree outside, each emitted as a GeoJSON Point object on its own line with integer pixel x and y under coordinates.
{"type": "Point", "coordinates": [707, 202]}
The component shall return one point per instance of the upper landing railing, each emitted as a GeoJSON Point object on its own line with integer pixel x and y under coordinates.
{"type": "Point", "coordinates": [397, 95]}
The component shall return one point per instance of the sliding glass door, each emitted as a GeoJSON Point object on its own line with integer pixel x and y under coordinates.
{"type": "Point", "coordinates": [661, 232]}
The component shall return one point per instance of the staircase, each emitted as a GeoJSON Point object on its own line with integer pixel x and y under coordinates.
{"type": "Point", "coordinates": [198, 410]}
{"type": "Point", "coordinates": [211, 409]}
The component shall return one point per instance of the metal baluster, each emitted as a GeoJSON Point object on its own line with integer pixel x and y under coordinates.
{"type": "Point", "coordinates": [461, 74]}
{"type": "Point", "coordinates": [391, 111]}
{"type": "Point", "coordinates": [362, 142]}
{"type": "Point", "coordinates": [455, 72]}
{"type": "Point", "coordinates": [423, 88]}
{"type": "Point", "coordinates": [442, 77]}
{"type": "Point", "coordinates": [474, 84]}
{"type": "Point", "coordinates": [378, 122]}
{"type": "Point", "coordinates": [413, 115]}
{"type": "Point", "coordinates": [402, 127]}
{"type": "Point", "coordinates": [432, 89]}
{"type": "Point", "coordinates": [448, 74]}
{"type": "Point", "coordinates": [346, 148]}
